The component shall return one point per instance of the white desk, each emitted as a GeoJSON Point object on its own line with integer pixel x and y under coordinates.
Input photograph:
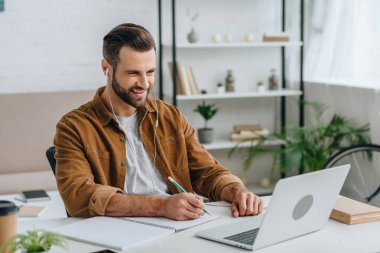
{"type": "Point", "coordinates": [335, 237]}
{"type": "Point", "coordinates": [55, 207]}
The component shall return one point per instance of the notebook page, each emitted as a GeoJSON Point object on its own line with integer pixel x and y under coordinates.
{"type": "Point", "coordinates": [112, 233]}
{"type": "Point", "coordinates": [177, 225]}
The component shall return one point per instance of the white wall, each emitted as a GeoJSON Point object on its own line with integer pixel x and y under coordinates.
{"type": "Point", "coordinates": [57, 45]}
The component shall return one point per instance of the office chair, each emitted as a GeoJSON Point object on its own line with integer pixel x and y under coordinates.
{"type": "Point", "coordinates": [50, 156]}
{"type": "Point", "coordinates": [363, 180]}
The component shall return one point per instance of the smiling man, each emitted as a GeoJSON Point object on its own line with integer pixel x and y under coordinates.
{"type": "Point", "coordinates": [115, 153]}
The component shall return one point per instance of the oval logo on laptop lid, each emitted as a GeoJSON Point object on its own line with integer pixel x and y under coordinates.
{"type": "Point", "coordinates": [302, 207]}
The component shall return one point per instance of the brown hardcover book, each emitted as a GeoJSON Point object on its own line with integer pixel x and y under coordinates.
{"type": "Point", "coordinates": [179, 79]}
{"type": "Point", "coordinates": [250, 127]}
{"type": "Point", "coordinates": [350, 211]}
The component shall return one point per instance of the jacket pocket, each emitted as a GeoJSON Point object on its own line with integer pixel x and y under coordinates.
{"type": "Point", "coordinates": [99, 161]}
{"type": "Point", "coordinates": [175, 149]}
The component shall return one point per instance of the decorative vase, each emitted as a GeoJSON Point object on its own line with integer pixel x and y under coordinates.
{"type": "Point", "coordinates": [192, 36]}
{"type": "Point", "coordinates": [230, 80]}
{"type": "Point", "coordinates": [205, 135]}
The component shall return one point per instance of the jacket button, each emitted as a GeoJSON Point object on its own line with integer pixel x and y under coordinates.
{"type": "Point", "coordinates": [122, 139]}
{"type": "Point", "coordinates": [122, 164]}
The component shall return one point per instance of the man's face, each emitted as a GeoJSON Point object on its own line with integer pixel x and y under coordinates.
{"type": "Point", "coordinates": [134, 76]}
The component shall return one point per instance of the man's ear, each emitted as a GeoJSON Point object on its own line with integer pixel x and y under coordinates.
{"type": "Point", "coordinates": [105, 67]}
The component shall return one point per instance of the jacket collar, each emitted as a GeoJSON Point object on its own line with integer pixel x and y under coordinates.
{"type": "Point", "coordinates": [105, 116]}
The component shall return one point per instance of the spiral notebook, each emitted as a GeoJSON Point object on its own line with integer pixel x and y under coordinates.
{"type": "Point", "coordinates": [121, 233]}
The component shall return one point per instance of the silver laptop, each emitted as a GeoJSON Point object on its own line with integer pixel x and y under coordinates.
{"type": "Point", "coordinates": [299, 205]}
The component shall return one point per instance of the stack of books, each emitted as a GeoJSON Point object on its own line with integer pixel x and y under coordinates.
{"type": "Point", "coordinates": [279, 37]}
{"type": "Point", "coordinates": [186, 83]}
{"type": "Point", "coordinates": [245, 132]}
{"type": "Point", "coordinates": [350, 211]}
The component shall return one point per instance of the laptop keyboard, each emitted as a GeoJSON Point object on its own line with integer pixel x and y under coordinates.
{"type": "Point", "coordinates": [247, 237]}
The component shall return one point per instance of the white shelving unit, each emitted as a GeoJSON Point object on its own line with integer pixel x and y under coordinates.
{"type": "Point", "coordinates": [237, 44]}
{"type": "Point", "coordinates": [233, 95]}
{"type": "Point", "coordinates": [227, 144]}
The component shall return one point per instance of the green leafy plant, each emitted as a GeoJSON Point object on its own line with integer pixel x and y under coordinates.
{"type": "Point", "coordinates": [207, 111]}
{"type": "Point", "coordinates": [306, 149]}
{"type": "Point", "coordinates": [34, 241]}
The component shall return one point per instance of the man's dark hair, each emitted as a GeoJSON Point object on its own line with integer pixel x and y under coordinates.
{"type": "Point", "coordinates": [128, 34]}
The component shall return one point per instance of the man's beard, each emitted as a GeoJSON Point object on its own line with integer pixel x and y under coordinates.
{"type": "Point", "coordinates": [124, 94]}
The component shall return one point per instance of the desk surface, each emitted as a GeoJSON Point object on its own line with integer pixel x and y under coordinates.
{"type": "Point", "coordinates": [334, 237]}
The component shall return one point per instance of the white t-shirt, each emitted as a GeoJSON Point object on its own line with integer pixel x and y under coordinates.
{"type": "Point", "coordinates": [142, 176]}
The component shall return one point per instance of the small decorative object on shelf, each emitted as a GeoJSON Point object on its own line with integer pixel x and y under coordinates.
{"type": "Point", "coordinates": [265, 182]}
{"type": "Point", "coordinates": [273, 80]}
{"type": "Point", "coordinates": [220, 88]}
{"type": "Point", "coordinates": [192, 36]}
{"type": "Point", "coordinates": [230, 81]}
{"type": "Point", "coordinates": [228, 37]}
{"type": "Point", "coordinates": [203, 91]}
{"type": "Point", "coordinates": [249, 37]}
{"type": "Point", "coordinates": [261, 87]}
{"type": "Point", "coordinates": [216, 38]}
{"type": "Point", "coordinates": [207, 111]}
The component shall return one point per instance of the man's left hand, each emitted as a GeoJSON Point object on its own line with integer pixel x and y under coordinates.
{"type": "Point", "coordinates": [246, 203]}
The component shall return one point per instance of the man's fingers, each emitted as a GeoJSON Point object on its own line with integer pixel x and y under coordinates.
{"type": "Point", "coordinates": [250, 206]}
{"type": "Point", "coordinates": [246, 203]}
{"type": "Point", "coordinates": [234, 210]}
{"type": "Point", "coordinates": [194, 200]}
{"type": "Point", "coordinates": [261, 206]}
{"type": "Point", "coordinates": [242, 203]}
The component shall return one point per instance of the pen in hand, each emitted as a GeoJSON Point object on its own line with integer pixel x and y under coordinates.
{"type": "Point", "coordinates": [183, 190]}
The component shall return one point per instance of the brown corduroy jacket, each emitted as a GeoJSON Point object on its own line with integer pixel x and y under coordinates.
{"type": "Point", "coordinates": [91, 155]}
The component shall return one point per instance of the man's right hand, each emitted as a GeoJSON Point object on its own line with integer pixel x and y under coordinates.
{"type": "Point", "coordinates": [183, 206]}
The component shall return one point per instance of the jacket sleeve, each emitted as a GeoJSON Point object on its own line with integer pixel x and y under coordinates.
{"type": "Point", "coordinates": [75, 180]}
{"type": "Point", "coordinates": [208, 176]}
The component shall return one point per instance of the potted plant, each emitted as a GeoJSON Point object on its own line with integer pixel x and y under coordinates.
{"type": "Point", "coordinates": [306, 149]}
{"type": "Point", "coordinates": [207, 111]}
{"type": "Point", "coordinates": [34, 241]}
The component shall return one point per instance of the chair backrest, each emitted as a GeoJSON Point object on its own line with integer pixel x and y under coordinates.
{"type": "Point", "coordinates": [50, 156]}
{"type": "Point", "coordinates": [363, 180]}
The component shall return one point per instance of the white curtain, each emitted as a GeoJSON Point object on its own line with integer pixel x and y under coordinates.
{"type": "Point", "coordinates": [342, 42]}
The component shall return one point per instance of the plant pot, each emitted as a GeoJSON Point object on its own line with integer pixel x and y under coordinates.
{"type": "Point", "coordinates": [205, 135]}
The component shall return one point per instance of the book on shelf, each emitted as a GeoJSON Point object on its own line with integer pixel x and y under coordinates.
{"type": "Point", "coordinates": [248, 135]}
{"type": "Point", "coordinates": [249, 127]}
{"type": "Point", "coordinates": [186, 83]}
{"type": "Point", "coordinates": [278, 37]}
{"type": "Point", "coordinates": [179, 82]}
{"type": "Point", "coordinates": [122, 233]}
{"type": "Point", "coordinates": [193, 82]}
{"type": "Point", "coordinates": [350, 211]}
